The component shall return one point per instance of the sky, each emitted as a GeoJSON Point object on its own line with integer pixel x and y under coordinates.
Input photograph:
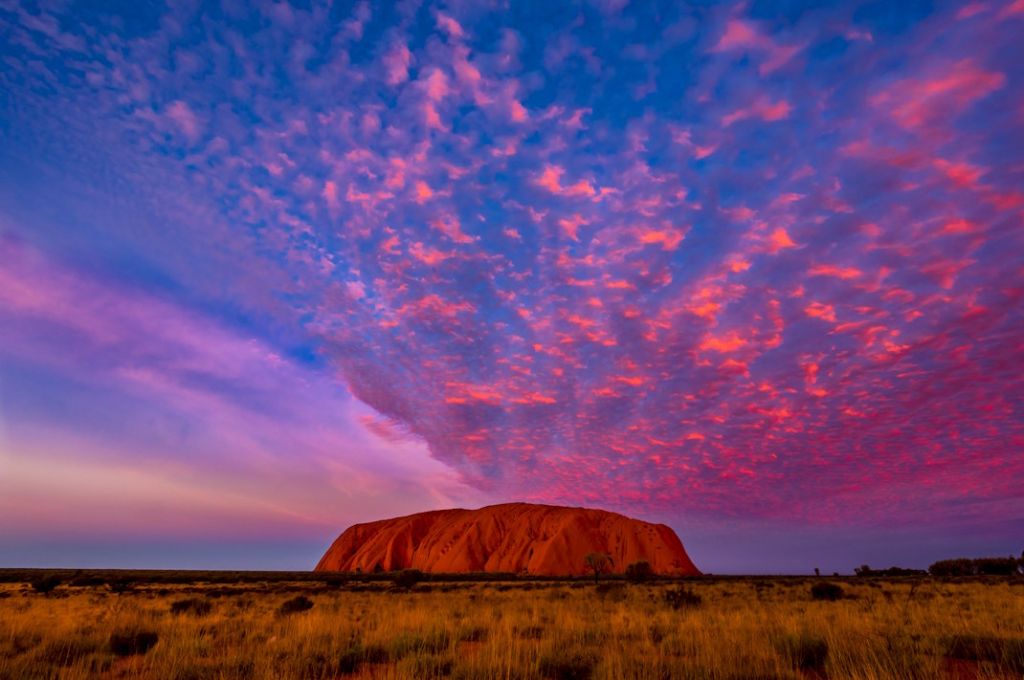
{"type": "Point", "coordinates": [268, 269]}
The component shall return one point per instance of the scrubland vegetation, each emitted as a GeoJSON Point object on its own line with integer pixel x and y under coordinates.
{"type": "Point", "coordinates": [707, 628]}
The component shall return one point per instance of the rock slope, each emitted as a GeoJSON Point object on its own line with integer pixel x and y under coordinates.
{"type": "Point", "coordinates": [542, 540]}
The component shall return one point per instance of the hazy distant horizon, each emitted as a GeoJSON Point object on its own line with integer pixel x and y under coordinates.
{"type": "Point", "coordinates": [713, 552]}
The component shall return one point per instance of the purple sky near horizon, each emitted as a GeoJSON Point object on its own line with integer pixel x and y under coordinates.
{"type": "Point", "coordinates": [754, 270]}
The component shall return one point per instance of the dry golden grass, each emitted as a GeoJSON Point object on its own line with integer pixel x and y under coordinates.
{"type": "Point", "coordinates": [742, 629]}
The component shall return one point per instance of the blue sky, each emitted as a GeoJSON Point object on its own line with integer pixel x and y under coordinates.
{"type": "Point", "coordinates": [269, 269]}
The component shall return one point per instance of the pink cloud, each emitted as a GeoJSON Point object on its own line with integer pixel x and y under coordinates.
{"type": "Point", "coordinates": [450, 26]}
{"type": "Point", "coordinates": [763, 108]}
{"type": "Point", "coordinates": [397, 61]}
{"type": "Point", "coordinates": [435, 85]}
{"type": "Point", "coordinates": [551, 180]}
{"type": "Point", "coordinates": [820, 310]}
{"type": "Point", "coordinates": [921, 102]}
{"type": "Point", "coordinates": [779, 240]}
{"type": "Point", "coordinates": [838, 272]}
{"type": "Point", "coordinates": [668, 239]}
{"type": "Point", "coordinates": [741, 35]}
{"type": "Point", "coordinates": [422, 191]}
{"type": "Point", "coordinates": [450, 226]}
{"type": "Point", "coordinates": [330, 194]}
{"type": "Point", "coordinates": [184, 119]}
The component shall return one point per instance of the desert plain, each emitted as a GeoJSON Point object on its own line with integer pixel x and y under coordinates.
{"type": "Point", "coordinates": [209, 625]}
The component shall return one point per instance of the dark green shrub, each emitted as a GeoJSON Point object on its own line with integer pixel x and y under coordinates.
{"type": "Point", "coordinates": [974, 648]}
{"type": "Point", "coordinates": [638, 572]}
{"type": "Point", "coordinates": [67, 652]}
{"type": "Point", "coordinates": [46, 584]}
{"type": "Point", "coordinates": [568, 664]}
{"type": "Point", "coordinates": [407, 578]}
{"type": "Point", "coordinates": [120, 585]}
{"type": "Point", "coordinates": [682, 598]}
{"type": "Point", "coordinates": [130, 643]}
{"type": "Point", "coordinates": [656, 634]}
{"type": "Point", "coordinates": [295, 605]}
{"type": "Point", "coordinates": [473, 634]}
{"type": "Point", "coordinates": [432, 642]}
{"type": "Point", "coordinates": [19, 643]}
{"type": "Point", "coordinates": [611, 591]}
{"type": "Point", "coordinates": [806, 652]}
{"type": "Point", "coordinates": [431, 666]}
{"type": "Point", "coordinates": [1003, 652]}
{"type": "Point", "coordinates": [192, 605]}
{"type": "Point", "coordinates": [826, 591]}
{"type": "Point", "coordinates": [355, 656]}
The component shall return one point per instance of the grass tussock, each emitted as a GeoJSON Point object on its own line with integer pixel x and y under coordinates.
{"type": "Point", "coordinates": [754, 629]}
{"type": "Point", "coordinates": [192, 605]}
{"type": "Point", "coordinates": [827, 591]}
{"type": "Point", "coordinates": [295, 605]}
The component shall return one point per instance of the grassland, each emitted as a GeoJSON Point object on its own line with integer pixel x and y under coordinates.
{"type": "Point", "coordinates": [194, 627]}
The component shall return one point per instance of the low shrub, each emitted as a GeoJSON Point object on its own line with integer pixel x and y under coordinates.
{"type": "Point", "coordinates": [355, 656]}
{"type": "Point", "coordinates": [131, 643]}
{"type": "Point", "coordinates": [472, 634]}
{"type": "Point", "coordinates": [682, 598]}
{"type": "Point", "coordinates": [826, 591]}
{"type": "Point", "coordinates": [120, 585]}
{"type": "Point", "coordinates": [611, 591]}
{"type": "Point", "coordinates": [192, 605]}
{"type": "Point", "coordinates": [640, 571]}
{"type": "Point", "coordinates": [18, 643]}
{"type": "Point", "coordinates": [430, 642]}
{"type": "Point", "coordinates": [66, 652]}
{"type": "Point", "coordinates": [568, 664]}
{"type": "Point", "coordinates": [295, 605]}
{"type": "Point", "coordinates": [805, 652]}
{"type": "Point", "coordinates": [46, 584]}
{"type": "Point", "coordinates": [1003, 652]}
{"type": "Point", "coordinates": [407, 578]}
{"type": "Point", "coordinates": [430, 666]}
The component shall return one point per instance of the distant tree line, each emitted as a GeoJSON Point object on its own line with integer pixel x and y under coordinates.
{"type": "Point", "coordinates": [962, 566]}
{"type": "Point", "coordinates": [982, 566]}
{"type": "Point", "coordinates": [865, 570]}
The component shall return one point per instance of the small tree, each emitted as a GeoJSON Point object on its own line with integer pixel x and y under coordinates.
{"type": "Point", "coordinates": [637, 572]}
{"type": "Point", "coordinates": [599, 563]}
{"type": "Point", "coordinates": [46, 584]}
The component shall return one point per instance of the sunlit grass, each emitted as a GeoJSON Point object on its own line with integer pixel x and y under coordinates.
{"type": "Point", "coordinates": [739, 629]}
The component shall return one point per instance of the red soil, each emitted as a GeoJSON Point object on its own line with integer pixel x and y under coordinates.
{"type": "Point", "coordinates": [543, 540]}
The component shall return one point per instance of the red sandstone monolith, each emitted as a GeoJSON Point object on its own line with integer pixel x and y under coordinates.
{"type": "Point", "coordinates": [520, 538]}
